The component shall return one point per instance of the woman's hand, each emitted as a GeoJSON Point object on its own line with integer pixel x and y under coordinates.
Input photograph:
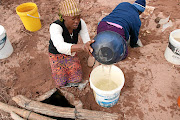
{"type": "Point", "coordinates": [87, 47]}
{"type": "Point", "coordinates": [83, 47]}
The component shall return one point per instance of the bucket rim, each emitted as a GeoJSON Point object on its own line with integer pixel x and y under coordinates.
{"type": "Point", "coordinates": [2, 30]}
{"type": "Point", "coordinates": [172, 38]}
{"type": "Point", "coordinates": [111, 91]}
{"type": "Point", "coordinates": [28, 12]}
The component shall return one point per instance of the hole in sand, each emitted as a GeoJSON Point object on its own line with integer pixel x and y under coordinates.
{"type": "Point", "coordinates": [58, 99]}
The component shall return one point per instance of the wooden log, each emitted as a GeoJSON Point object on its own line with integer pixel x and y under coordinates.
{"type": "Point", "coordinates": [22, 112]}
{"type": "Point", "coordinates": [43, 108]}
{"type": "Point", "coordinates": [16, 117]}
{"type": "Point", "coordinates": [46, 95]}
{"type": "Point", "coordinates": [96, 115]}
{"type": "Point", "coordinates": [70, 97]}
{"type": "Point", "coordinates": [64, 112]}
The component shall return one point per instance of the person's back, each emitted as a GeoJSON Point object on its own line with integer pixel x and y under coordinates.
{"type": "Point", "coordinates": [125, 21]}
{"type": "Point", "coordinates": [126, 15]}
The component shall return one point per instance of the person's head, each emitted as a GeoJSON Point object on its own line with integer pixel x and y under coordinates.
{"type": "Point", "coordinates": [140, 5]}
{"type": "Point", "coordinates": [70, 12]}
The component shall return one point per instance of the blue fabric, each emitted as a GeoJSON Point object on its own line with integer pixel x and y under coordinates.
{"type": "Point", "coordinates": [141, 2]}
{"type": "Point", "coordinates": [140, 5]}
{"type": "Point", "coordinates": [126, 15]}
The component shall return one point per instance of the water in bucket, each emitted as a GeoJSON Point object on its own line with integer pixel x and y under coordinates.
{"type": "Point", "coordinates": [106, 82]}
{"type": "Point", "coordinates": [177, 39]}
{"type": "Point", "coordinates": [6, 48]}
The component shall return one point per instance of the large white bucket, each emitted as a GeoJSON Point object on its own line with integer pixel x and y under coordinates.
{"type": "Point", "coordinates": [98, 79]}
{"type": "Point", "coordinates": [172, 52]}
{"type": "Point", "coordinates": [6, 48]}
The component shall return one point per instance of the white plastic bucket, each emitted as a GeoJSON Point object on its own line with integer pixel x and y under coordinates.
{"type": "Point", "coordinates": [106, 98]}
{"type": "Point", "coordinates": [6, 48]}
{"type": "Point", "coordinates": [172, 52]}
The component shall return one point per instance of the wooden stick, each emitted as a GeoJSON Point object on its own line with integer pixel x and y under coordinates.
{"type": "Point", "coordinates": [16, 117]}
{"type": "Point", "coordinates": [69, 96]}
{"type": "Point", "coordinates": [64, 112]}
{"type": "Point", "coordinates": [43, 108]}
{"type": "Point", "coordinates": [3, 99]}
{"type": "Point", "coordinates": [22, 112]}
{"type": "Point", "coordinates": [71, 99]}
{"type": "Point", "coordinates": [96, 115]}
{"type": "Point", "coordinates": [26, 32]}
{"type": "Point", "coordinates": [46, 95]}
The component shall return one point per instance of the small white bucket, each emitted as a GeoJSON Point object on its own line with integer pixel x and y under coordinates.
{"type": "Point", "coordinates": [172, 52]}
{"type": "Point", "coordinates": [98, 79]}
{"type": "Point", "coordinates": [6, 48]}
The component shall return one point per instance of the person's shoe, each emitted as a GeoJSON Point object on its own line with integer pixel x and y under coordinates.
{"type": "Point", "coordinates": [135, 46]}
{"type": "Point", "coordinates": [80, 85]}
{"type": "Point", "coordinates": [139, 43]}
{"type": "Point", "coordinates": [71, 85]}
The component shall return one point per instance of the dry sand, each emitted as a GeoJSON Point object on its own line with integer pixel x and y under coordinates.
{"type": "Point", "coordinates": [152, 85]}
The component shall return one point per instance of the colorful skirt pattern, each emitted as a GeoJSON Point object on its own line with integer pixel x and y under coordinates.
{"type": "Point", "coordinates": [65, 69]}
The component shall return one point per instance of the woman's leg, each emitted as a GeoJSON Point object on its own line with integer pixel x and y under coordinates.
{"type": "Point", "coordinates": [74, 70]}
{"type": "Point", "coordinates": [59, 73]}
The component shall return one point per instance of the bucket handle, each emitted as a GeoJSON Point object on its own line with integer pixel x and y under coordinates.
{"type": "Point", "coordinates": [3, 41]}
{"type": "Point", "coordinates": [33, 16]}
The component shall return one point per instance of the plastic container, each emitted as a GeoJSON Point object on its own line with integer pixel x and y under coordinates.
{"type": "Point", "coordinates": [106, 98]}
{"type": "Point", "coordinates": [6, 48]}
{"type": "Point", "coordinates": [28, 12]}
{"type": "Point", "coordinates": [178, 101]}
{"type": "Point", "coordinates": [109, 47]}
{"type": "Point", "coordinates": [172, 52]}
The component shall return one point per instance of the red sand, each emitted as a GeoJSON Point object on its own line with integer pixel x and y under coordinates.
{"type": "Point", "coordinates": [152, 85]}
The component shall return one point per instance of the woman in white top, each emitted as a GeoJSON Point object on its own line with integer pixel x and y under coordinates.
{"type": "Point", "coordinates": [65, 65]}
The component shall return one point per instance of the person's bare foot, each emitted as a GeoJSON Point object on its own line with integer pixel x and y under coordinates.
{"type": "Point", "coordinates": [91, 61]}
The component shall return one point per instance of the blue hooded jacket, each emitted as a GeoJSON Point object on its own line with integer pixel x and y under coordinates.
{"type": "Point", "coordinates": [126, 15]}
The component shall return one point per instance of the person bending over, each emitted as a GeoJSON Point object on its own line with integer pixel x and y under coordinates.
{"type": "Point", "coordinates": [124, 20]}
